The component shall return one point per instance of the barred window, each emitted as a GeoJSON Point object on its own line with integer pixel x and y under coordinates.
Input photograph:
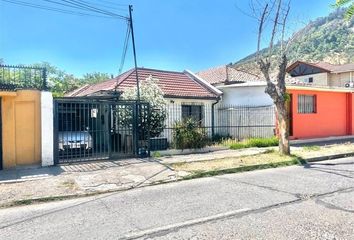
{"type": "Point", "coordinates": [306, 104]}
{"type": "Point", "coordinates": [192, 111]}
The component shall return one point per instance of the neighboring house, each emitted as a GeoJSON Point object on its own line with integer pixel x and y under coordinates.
{"type": "Point", "coordinates": [238, 87]}
{"type": "Point", "coordinates": [241, 89]}
{"type": "Point", "coordinates": [187, 94]}
{"type": "Point", "coordinates": [321, 100]}
{"type": "Point", "coordinates": [322, 74]}
{"type": "Point", "coordinates": [320, 112]}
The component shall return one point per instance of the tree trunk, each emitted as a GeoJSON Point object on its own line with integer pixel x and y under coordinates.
{"type": "Point", "coordinates": [283, 128]}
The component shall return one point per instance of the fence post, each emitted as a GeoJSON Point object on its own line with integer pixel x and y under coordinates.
{"type": "Point", "coordinates": [45, 86]}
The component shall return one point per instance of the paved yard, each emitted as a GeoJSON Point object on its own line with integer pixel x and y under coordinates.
{"type": "Point", "coordinates": [315, 201]}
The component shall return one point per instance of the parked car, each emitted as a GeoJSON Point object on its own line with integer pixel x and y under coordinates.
{"type": "Point", "coordinates": [75, 140]}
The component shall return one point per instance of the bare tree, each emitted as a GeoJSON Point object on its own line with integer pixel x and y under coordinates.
{"type": "Point", "coordinates": [276, 13]}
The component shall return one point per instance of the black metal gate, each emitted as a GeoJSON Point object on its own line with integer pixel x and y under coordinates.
{"type": "Point", "coordinates": [97, 128]}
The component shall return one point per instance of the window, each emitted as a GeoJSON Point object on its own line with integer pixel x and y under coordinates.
{"type": "Point", "coordinates": [192, 111]}
{"type": "Point", "coordinates": [306, 104]}
{"type": "Point", "coordinates": [311, 80]}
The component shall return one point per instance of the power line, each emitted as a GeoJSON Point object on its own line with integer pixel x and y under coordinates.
{"type": "Point", "coordinates": [125, 48]}
{"type": "Point", "coordinates": [94, 9]}
{"type": "Point", "coordinates": [59, 10]}
{"type": "Point", "coordinates": [66, 5]}
{"type": "Point", "coordinates": [118, 7]}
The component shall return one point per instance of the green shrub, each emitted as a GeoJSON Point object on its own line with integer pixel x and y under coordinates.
{"type": "Point", "coordinates": [255, 142]}
{"type": "Point", "coordinates": [156, 154]}
{"type": "Point", "coordinates": [189, 134]}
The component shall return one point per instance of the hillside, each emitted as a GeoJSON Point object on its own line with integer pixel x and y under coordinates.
{"type": "Point", "coordinates": [329, 39]}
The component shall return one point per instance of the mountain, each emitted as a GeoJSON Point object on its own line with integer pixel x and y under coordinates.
{"type": "Point", "coordinates": [329, 39]}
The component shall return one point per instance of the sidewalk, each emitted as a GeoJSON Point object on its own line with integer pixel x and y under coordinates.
{"type": "Point", "coordinates": [82, 179]}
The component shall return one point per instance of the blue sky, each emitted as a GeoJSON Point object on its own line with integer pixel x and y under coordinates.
{"type": "Point", "coordinates": [171, 35]}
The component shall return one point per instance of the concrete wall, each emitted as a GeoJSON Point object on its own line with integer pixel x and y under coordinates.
{"type": "Point", "coordinates": [332, 118]}
{"type": "Point", "coordinates": [328, 79]}
{"type": "Point", "coordinates": [27, 128]}
{"type": "Point", "coordinates": [245, 95]}
{"type": "Point", "coordinates": [339, 79]}
{"type": "Point", "coordinates": [47, 130]}
{"type": "Point", "coordinates": [319, 79]}
{"type": "Point", "coordinates": [21, 126]}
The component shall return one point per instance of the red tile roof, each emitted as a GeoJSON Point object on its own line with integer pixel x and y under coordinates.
{"type": "Point", "coordinates": [226, 73]}
{"type": "Point", "coordinates": [173, 84]}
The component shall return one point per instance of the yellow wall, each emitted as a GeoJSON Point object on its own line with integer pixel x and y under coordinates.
{"type": "Point", "coordinates": [21, 123]}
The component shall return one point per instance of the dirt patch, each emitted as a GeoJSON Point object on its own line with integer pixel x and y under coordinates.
{"type": "Point", "coordinates": [226, 163]}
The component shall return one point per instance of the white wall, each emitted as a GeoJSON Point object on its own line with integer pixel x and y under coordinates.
{"type": "Point", "coordinates": [47, 129]}
{"type": "Point", "coordinates": [174, 113]}
{"type": "Point", "coordinates": [245, 95]}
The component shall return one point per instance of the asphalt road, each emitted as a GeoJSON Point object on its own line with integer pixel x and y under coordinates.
{"type": "Point", "coordinates": [299, 202]}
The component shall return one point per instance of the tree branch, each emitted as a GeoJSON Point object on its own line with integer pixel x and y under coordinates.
{"type": "Point", "coordinates": [260, 29]}
{"type": "Point", "coordinates": [274, 31]}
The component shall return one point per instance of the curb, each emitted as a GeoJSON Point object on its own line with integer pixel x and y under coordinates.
{"type": "Point", "coordinates": [30, 201]}
{"type": "Point", "coordinates": [329, 157]}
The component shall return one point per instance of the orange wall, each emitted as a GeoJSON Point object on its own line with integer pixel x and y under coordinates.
{"type": "Point", "coordinates": [331, 118]}
{"type": "Point", "coordinates": [21, 129]}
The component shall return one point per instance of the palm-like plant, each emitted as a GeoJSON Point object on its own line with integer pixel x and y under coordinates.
{"type": "Point", "coordinates": [344, 3]}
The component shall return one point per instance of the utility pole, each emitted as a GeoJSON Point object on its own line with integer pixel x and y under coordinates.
{"type": "Point", "coordinates": [134, 52]}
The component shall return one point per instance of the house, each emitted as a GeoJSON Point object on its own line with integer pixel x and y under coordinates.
{"type": "Point", "coordinates": [187, 94]}
{"type": "Point", "coordinates": [321, 97]}
{"type": "Point", "coordinates": [26, 131]}
{"type": "Point", "coordinates": [238, 87]}
{"type": "Point", "coordinates": [245, 110]}
{"type": "Point", "coordinates": [322, 74]}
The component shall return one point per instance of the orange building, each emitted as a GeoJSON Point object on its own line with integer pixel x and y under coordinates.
{"type": "Point", "coordinates": [320, 112]}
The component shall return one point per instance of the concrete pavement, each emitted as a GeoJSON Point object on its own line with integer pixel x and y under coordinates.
{"type": "Point", "coordinates": [315, 201]}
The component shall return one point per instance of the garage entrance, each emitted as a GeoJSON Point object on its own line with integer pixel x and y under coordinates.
{"type": "Point", "coordinates": [88, 129]}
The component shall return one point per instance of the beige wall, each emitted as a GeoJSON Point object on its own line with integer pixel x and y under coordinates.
{"type": "Point", "coordinates": [320, 79]}
{"type": "Point", "coordinates": [328, 79]}
{"type": "Point", "coordinates": [21, 128]}
{"type": "Point", "coordinates": [340, 79]}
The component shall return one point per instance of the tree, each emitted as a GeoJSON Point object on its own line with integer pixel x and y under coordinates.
{"type": "Point", "coordinates": [343, 3]}
{"type": "Point", "coordinates": [151, 93]}
{"type": "Point", "coordinates": [95, 77]}
{"type": "Point", "coordinates": [276, 13]}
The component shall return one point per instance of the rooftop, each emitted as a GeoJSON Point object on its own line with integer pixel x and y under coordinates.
{"type": "Point", "coordinates": [173, 84]}
{"type": "Point", "coordinates": [226, 73]}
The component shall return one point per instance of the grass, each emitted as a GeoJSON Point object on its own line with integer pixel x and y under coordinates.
{"type": "Point", "coordinates": [199, 174]}
{"type": "Point", "coordinates": [270, 158]}
{"type": "Point", "coordinates": [255, 142]}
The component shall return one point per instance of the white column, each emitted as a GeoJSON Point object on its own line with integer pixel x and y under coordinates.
{"type": "Point", "coordinates": [47, 129]}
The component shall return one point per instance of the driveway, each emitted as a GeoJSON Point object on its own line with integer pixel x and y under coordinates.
{"type": "Point", "coordinates": [315, 201]}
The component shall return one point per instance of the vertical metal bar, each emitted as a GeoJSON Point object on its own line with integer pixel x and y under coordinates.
{"type": "Point", "coordinates": [56, 131]}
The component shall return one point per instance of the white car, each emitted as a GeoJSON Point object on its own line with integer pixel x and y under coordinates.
{"type": "Point", "coordinates": [75, 140]}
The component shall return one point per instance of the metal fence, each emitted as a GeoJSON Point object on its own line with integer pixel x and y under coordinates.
{"type": "Point", "coordinates": [218, 122]}
{"type": "Point", "coordinates": [21, 77]}
{"type": "Point", "coordinates": [95, 129]}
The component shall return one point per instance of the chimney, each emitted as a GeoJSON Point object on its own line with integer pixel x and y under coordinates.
{"type": "Point", "coordinates": [227, 71]}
